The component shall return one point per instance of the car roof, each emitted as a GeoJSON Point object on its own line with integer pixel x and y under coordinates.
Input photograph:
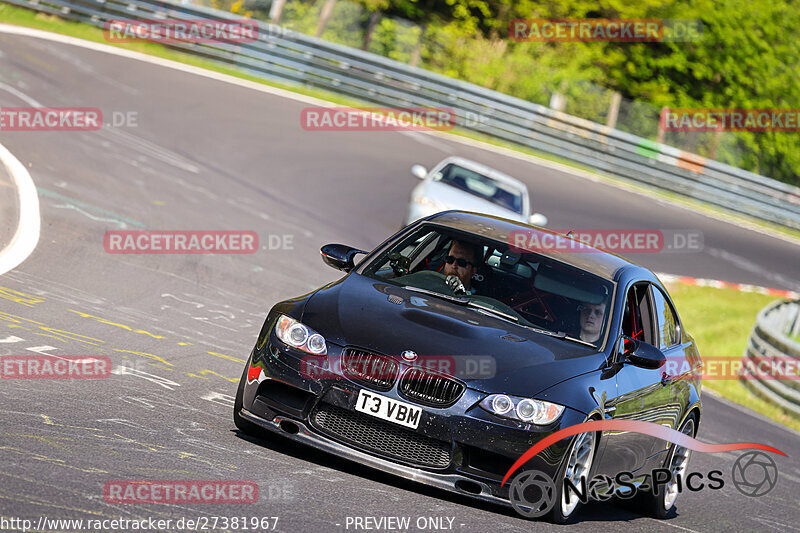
{"type": "Point", "coordinates": [486, 171]}
{"type": "Point", "coordinates": [598, 262]}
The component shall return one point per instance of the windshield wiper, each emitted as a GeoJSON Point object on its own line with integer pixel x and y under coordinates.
{"type": "Point", "coordinates": [559, 335]}
{"type": "Point", "coordinates": [437, 294]}
{"type": "Point", "coordinates": [464, 301]}
{"type": "Point", "coordinates": [493, 311]}
{"type": "Point", "coordinates": [562, 335]}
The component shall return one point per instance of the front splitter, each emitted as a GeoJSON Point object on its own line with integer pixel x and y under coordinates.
{"type": "Point", "coordinates": [448, 482]}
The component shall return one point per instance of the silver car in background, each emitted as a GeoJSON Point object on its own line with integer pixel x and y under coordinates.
{"type": "Point", "coordinates": [458, 183]}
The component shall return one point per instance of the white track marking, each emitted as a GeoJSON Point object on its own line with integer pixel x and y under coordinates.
{"type": "Point", "coordinates": [25, 239]}
{"type": "Point", "coordinates": [19, 94]}
{"type": "Point", "coordinates": [429, 140]}
{"type": "Point", "coordinates": [217, 397]}
{"type": "Point", "coordinates": [150, 149]}
{"type": "Point", "coordinates": [676, 526]}
{"type": "Point", "coordinates": [122, 370]}
{"type": "Point", "coordinates": [41, 349]}
{"type": "Point", "coordinates": [749, 266]}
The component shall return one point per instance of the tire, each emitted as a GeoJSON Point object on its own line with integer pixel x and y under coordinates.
{"type": "Point", "coordinates": [662, 504]}
{"type": "Point", "coordinates": [578, 461]}
{"type": "Point", "coordinates": [245, 426]}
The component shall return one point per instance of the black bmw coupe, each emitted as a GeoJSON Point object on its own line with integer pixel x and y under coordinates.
{"type": "Point", "coordinates": [453, 347]}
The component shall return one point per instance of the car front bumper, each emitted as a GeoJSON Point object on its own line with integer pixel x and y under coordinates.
{"type": "Point", "coordinates": [299, 432]}
{"type": "Point", "coordinates": [482, 447]}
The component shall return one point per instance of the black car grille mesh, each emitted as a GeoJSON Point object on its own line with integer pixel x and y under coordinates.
{"type": "Point", "coordinates": [429, 388]}
{"type": "Point", "coordinates": [383, 438]}
{"type": "Point", "coordinates": [373, 370]}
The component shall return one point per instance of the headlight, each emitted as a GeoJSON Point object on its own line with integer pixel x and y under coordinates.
{"type": "Point", "coordinates": [426, 202]}
{"type": "Point", "coordinates": [525, 410]}
{"type": "Point", "coordinates": [501, 404]}
{"type": "Point", "coordinates": [298, 335]}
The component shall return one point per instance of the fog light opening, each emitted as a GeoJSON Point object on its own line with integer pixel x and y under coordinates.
{"type": "Point", "coordinates": [289, 427]}
{"type": "Point", "coordinates": [468, 486]}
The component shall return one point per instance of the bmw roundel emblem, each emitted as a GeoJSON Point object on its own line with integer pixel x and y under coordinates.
{"type": "Point", "coordinates": [408, 355]}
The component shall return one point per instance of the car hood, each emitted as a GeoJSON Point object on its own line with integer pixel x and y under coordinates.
{"type": "Point", "coordinates": [454, 198]}
{"type": "Point", "coordinates": [357, 311]}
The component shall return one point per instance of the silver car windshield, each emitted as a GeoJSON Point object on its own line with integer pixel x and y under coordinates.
{"type": "Point", "coordinates": [484, 187]}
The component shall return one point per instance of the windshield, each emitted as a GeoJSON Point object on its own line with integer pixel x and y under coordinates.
{"type": "Point", "coordinates": [504, 195]}
{"type": "Point", "coordinates": [525, 288]}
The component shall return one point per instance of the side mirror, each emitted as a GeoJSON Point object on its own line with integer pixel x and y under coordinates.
{"type": "Point", "coordinates": [537, 219]}
{"type": "Point", "coordinates": [419, 171]}
{"type": "Point", "coordinates": [641, 354]}
{"type": "Point", "coordinates": [339, 256]}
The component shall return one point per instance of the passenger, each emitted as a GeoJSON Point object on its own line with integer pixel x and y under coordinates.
{"type": "Point", "coordinates": [591, 320]}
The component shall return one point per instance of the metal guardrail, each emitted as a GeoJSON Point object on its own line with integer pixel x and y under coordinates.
{"type": "Point", "coordinates": [290, 57]}
{"type": "Point", "coordinates": [770, 340]}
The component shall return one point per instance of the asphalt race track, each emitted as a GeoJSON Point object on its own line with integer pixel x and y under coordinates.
{"type": "Point", "coordinates": [206, 154]}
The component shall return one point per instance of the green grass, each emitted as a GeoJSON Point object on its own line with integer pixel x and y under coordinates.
{"type": "Point", "coordinates": [720, 320]}
{"type": "Point", "coordinates": [24, 17]}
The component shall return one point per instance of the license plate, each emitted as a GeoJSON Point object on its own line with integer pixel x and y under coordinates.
{"type": "Point", "coordinates": [385, 408]}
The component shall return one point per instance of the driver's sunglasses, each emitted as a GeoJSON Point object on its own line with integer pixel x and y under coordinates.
{"type": "Point", "coordinates": [460, 261]}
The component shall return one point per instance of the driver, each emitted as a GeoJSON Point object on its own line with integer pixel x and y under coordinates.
{"type": "Point", "coordinates": [591, 320]}
{"type": "Point", "coordinates": [462, 261]}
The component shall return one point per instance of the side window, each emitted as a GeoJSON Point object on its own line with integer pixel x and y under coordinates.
{"type": "Point", "coordinates": [667, 326]}
{"type": "Point", "coordinates": [637, 322]}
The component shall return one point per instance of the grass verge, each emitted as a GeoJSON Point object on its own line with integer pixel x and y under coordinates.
{"type": "Point", "coordinates": [720, 320]}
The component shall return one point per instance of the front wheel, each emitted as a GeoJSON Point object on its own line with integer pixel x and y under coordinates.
{"type": "Point", "coordinates": [659, 505]}
{"type": "Point", "coordinates": [576, 466]}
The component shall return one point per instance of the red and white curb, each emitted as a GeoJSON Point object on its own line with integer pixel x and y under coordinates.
{"type": "Point", "coordinates": [718, 284]}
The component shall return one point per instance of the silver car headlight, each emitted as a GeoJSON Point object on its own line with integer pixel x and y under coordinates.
{"type": "Point", "coordinates": [429, 203]}
{"type": "Point", "coordinates": [525, 410]}
{"type": "Point", "coordinates": [298, 335]}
